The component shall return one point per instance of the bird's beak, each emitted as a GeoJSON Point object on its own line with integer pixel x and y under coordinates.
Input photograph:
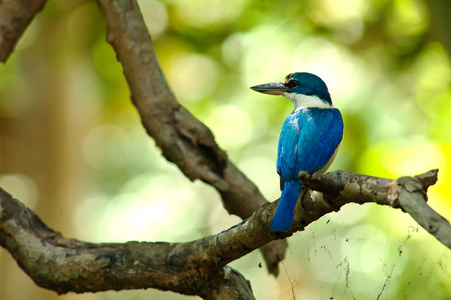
{"type": "Point", "coordinates": [273, 88]}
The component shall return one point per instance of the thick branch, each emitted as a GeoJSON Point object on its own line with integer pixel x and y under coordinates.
{"type": "Point", "coordinates": [183, 139]}
{"type": "Point", "coordinates": [15, 16]}
{"type": "Point", "coordinates": [64, 265]}
{"type": "Point", "coordinates": [194, 268]}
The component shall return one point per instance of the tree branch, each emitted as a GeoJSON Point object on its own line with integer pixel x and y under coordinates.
{"type": "Point", "coordinates": [183, 139]}
{"type": "Point", "coordinates": [15, 16]}
{"type": "Point", "coordinates": [407, 193]}
{"type": "Point", "coordinates": [64, 265]}
{"type": "Point", "coordinates": [198, 267]}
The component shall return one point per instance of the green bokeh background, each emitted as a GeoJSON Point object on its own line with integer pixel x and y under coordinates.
{"type": "Point", "coordinates": [72, 147]}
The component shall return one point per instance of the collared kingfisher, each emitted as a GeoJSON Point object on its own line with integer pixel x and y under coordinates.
{"type": "Point", "coordinates": [309, 139]}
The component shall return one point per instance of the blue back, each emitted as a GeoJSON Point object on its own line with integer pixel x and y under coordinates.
{"type": "Point", "coordinates": [308, 140]}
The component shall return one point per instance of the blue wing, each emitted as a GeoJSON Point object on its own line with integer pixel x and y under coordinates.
{"type": "Point", "coordinates": [308, 140]}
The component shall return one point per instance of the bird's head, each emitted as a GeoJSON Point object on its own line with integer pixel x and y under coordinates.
{"type": "Point", "coordinates": [303, 89]}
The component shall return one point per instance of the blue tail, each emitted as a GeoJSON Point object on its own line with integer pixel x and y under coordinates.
{"type": "Point", "coordinates": [283, 218]}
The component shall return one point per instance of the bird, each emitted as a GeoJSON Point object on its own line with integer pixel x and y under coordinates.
{"type": "Point", "coordinates": [309, 138]}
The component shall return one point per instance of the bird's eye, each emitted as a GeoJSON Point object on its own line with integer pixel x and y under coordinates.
{"type": "Point", "coordinates": [292, 83]}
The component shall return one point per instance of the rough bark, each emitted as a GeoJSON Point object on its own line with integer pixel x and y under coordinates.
{"type": "Point", "coordinates": [183, 139]}
{"type": "Point", "coordinates": [198, 267]}
{"type": "Point", "coordinates": [407, 193]}
{"type": "Point", "coordinates": [15, 16]}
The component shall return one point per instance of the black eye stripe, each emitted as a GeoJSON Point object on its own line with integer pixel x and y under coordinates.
{"type": "Point", "coordinates": [292, 83]}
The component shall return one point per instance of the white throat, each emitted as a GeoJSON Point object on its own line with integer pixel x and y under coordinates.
{"type": "Point", "coordinates": [300, 101]}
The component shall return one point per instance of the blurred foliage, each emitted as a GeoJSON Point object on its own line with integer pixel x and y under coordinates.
{"type": "Point", "coordinates": [73, 149]}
